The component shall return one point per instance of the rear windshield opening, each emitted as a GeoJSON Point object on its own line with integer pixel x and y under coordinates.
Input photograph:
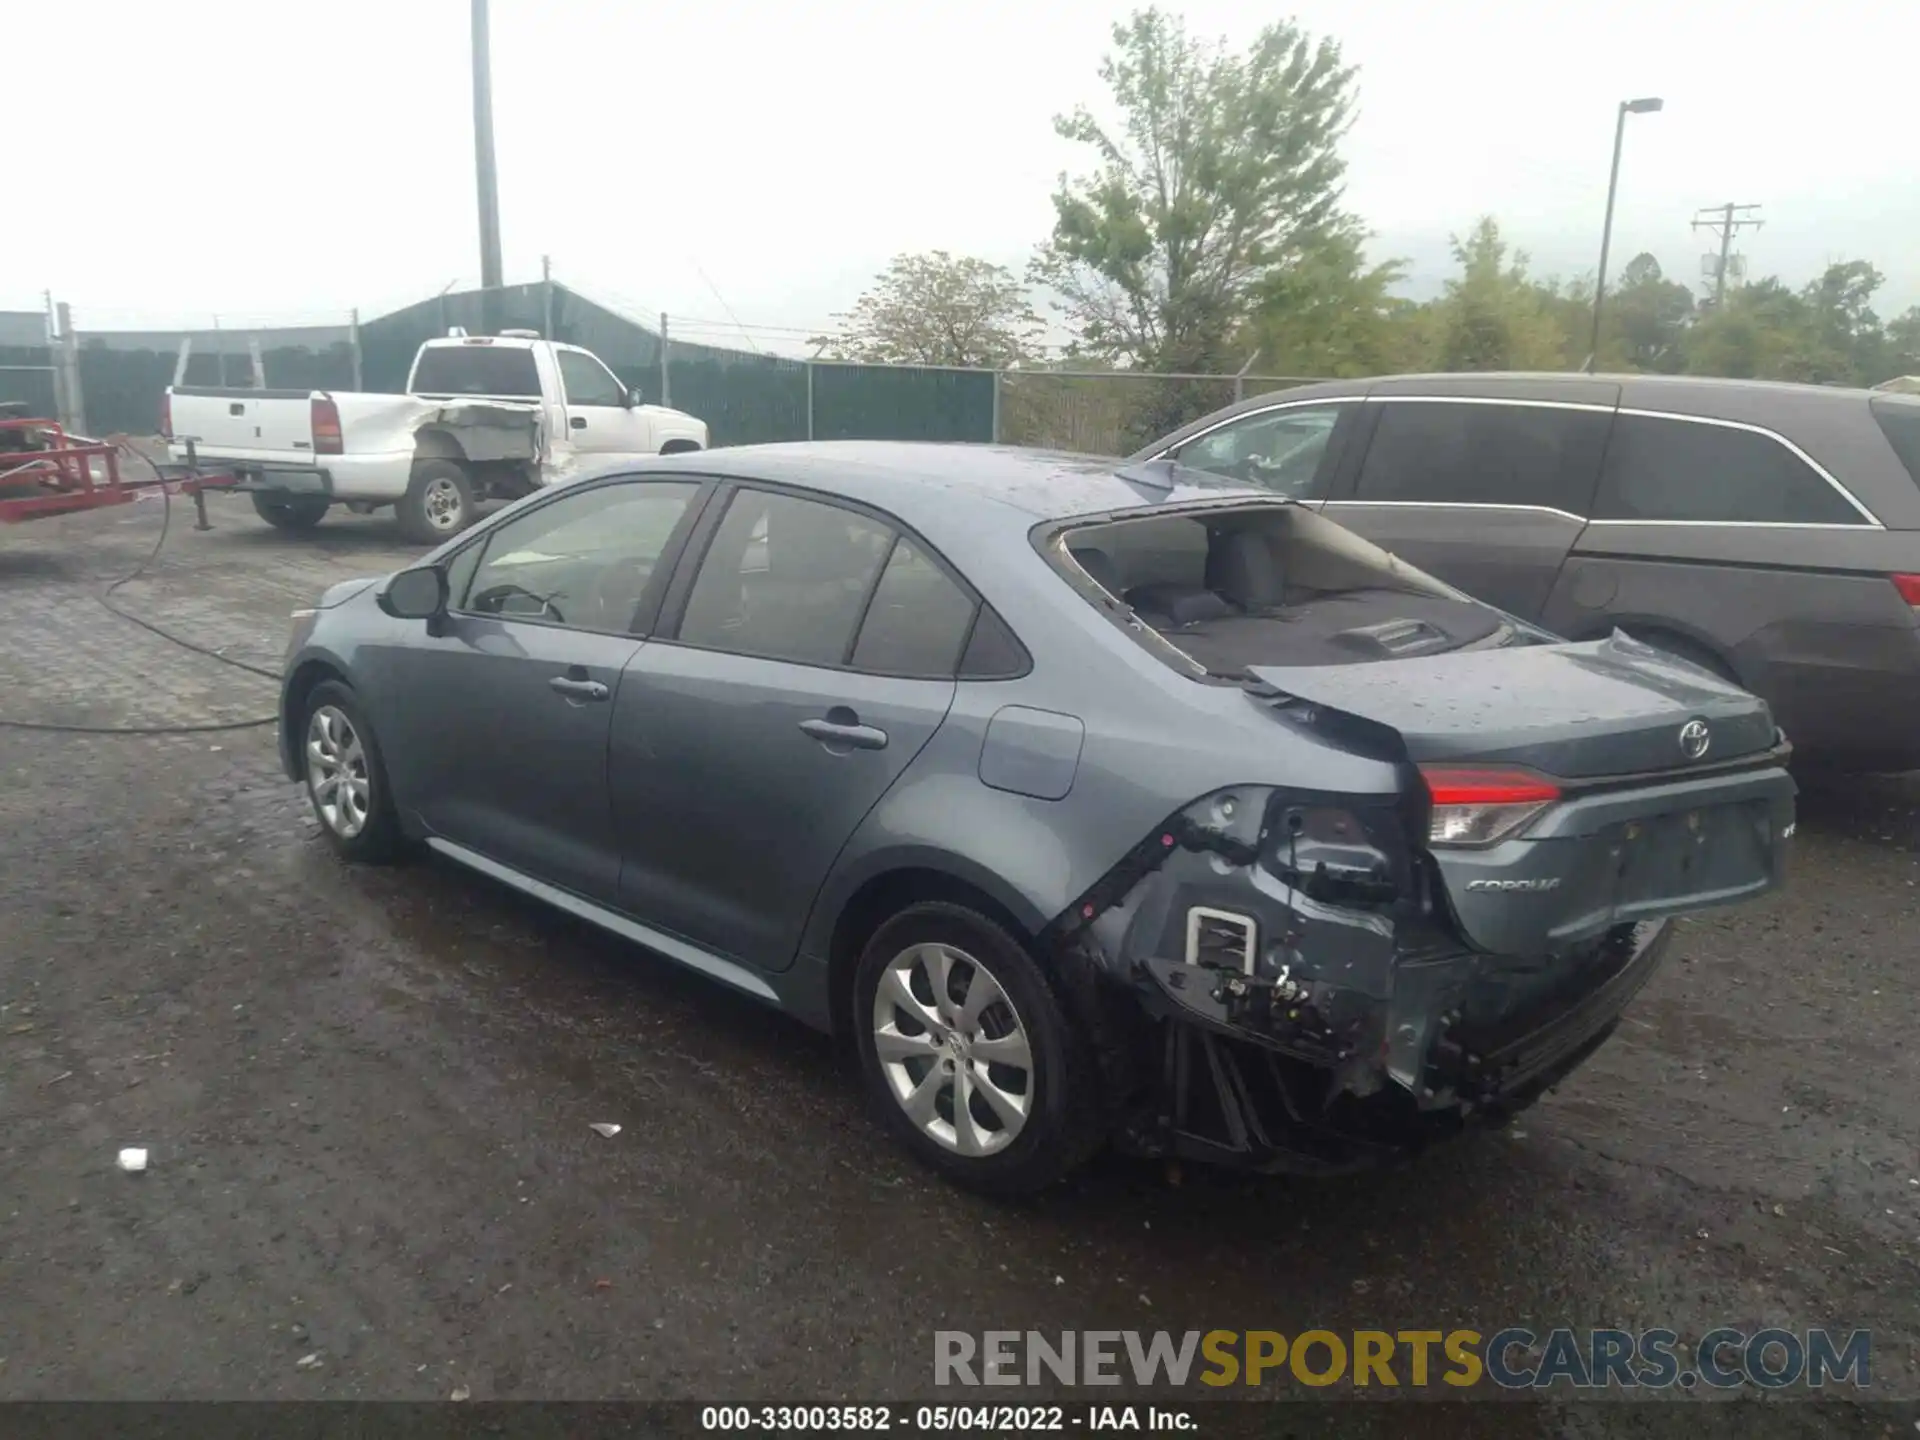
{"type": "Point", "coordinates": [1271, 585]}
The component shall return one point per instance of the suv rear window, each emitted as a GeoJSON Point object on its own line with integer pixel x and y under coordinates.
{"type": "Point", "coordinates": [1661, 468]}
{"type": "Point", "coordinates": [1900, 423]}
{"type": "Point", "coordinates": [507, 372]}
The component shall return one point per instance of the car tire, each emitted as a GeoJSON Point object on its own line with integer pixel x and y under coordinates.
{"type": "Point", "coordinates": [438, 504]}
{"type": "Point", "coordinates": [290, 512]}
{"type": "Point", "coordinates": [1027, 1125]}
{"type": "Point", "coordinates": [346, 778]}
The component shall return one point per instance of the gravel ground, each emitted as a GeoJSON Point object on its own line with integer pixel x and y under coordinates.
{"type": "Point", "coordinates": [367, 1096]}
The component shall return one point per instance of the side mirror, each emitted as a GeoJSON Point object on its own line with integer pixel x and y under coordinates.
{"type": "Point", "coordinates": [635, 400]}
{"type": "Point", "coordinates": [417, 594]}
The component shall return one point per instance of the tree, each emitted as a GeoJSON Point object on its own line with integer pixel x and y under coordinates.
{"type": "Point", "coordinates": [1332, 314]}
{"type": "Point", "coordinates": [1644, 322]}
{"type": "Point", "coordinates": [1494, 317]}
{"type": "Point", "coordinates": [1223, 169]}
{"type": "Point", "coordinates": [934, 309]}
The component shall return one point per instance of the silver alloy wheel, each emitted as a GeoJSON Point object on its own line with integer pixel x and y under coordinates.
{"type": "Point", "coordinates": [440, 502]}
{"type": "Point", "coordinates": [954, 1049]}
{"type": "Point", "coordinates": [337, 774]}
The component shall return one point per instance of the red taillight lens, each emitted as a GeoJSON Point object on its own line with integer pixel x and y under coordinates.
{"type": "Point", "coordinates": [1477, 806]}
{"type": "Point", "coordinates": [166, 417]}
{"type": "Point", "coordinates": [326, 426]}
{"type": "Point", "coordinates": [1909, 588]}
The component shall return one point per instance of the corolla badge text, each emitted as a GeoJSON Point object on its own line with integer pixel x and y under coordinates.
{"type": "Point", "coordinates": [1508, 886]}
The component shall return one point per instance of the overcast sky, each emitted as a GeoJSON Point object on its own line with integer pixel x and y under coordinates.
{"type": "Point", "coordinates": [753, 161]}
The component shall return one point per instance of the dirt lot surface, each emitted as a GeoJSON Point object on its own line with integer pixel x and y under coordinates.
{"type": "Point", "coordinates": [367, 1097]}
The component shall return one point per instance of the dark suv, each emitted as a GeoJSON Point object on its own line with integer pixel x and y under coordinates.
{"type": "Point", "coordinates": [1768, 532]}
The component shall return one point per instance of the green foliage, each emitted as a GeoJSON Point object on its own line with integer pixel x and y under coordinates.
{"type": "Point", "coordinates": [1222, 170]}
{"type": "Point", "coordinates": [934, 309]}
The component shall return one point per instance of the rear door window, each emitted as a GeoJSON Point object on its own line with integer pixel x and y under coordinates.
{"type": "Point", "coordinates": [917, 620]}
{"type": "Point", "coordinates": [1284, 450]}
{"type": "Point", "coordinates": [1900, 423]}
{"type": "Point", "coordinates": [785, 579]}
{"type": "Point", "coordinates": [1661, 468]}
{"type": "Point", "coordinates": [507, 372]}
{"type": "Point", "coordinates": [1487, 453]}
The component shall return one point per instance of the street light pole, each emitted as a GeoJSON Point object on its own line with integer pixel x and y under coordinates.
{"type": "Point", "coordinates": [1627, 107]}
{"type": "Point", "coordinates": [487, 184]}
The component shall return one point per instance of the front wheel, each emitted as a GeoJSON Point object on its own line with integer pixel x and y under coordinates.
{"type": "Point", "coordinates": [289, 512]}
{"type": "Point", "coordinates": [969, 1054]}
{"type": "Point", "coordinates": [438, 504]}
{"type": "Point", "coordinates": [346, 779]}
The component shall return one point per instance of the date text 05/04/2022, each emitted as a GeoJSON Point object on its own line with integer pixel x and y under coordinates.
{"type": "Point", "coordinates": [943, 1419]}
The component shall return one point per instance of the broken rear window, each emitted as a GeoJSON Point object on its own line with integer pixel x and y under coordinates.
{"type": "Point", "coordinates": [1270, 585]}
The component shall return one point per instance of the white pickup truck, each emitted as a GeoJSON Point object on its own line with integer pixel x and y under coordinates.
{"type": "Point", "coordinates": [497, 415]}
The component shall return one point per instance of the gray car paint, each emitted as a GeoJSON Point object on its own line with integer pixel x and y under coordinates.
{"type": "Point", "coordinates": [1803, 615]}
{"type": "Point", "coordinates": [691, 812]}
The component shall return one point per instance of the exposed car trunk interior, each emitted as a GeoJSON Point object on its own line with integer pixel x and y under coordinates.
{"type": "Point", "coordinates": [1275, 585]}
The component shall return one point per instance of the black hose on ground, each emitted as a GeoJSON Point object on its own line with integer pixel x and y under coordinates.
{"type": "Point", "coordinates": [105, 597]}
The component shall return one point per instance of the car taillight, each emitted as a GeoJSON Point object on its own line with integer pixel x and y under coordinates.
{"type": "Point", "coordinates": [1473, 806]}
{"type": "Point", "coordinates": [1909, 588]}
{"type": "Point", "coordinates": [326, 426]}
{"type": "Point", "coordinates": [166, 416]}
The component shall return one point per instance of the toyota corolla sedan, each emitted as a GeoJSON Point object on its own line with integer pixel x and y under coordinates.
{"type": "Point", "coordinates": [1094, 805]}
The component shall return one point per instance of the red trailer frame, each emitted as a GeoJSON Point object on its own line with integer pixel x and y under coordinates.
{"type": "Point", "coordinates": [59, 478]}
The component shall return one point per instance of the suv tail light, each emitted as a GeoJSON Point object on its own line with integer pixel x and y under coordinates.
{"type": "Point", "coordinates": [1909, 588]}
{"type": "Point", "coordinates": [166, 416]}
{"type": "Point", "coordinates": [326, 426]}
{"type": "Point", "coordinates": [1474, 806]}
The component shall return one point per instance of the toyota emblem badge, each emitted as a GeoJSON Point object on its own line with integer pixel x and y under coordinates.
{"type": "Point", "coordinates": [1695, 737]}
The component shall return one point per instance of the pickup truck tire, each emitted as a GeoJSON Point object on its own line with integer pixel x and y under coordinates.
{"type": "Point", "coordinates": [438, 503]}
{"type": "Point", "coordinates": [290, 512]}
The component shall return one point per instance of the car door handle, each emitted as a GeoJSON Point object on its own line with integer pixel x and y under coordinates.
{"type": "Point", "coordinates": [575, 688]}
{"type": "Point", "coordinates": [847, 734]}
{"type": "Point", "coordinates": [579, 422]}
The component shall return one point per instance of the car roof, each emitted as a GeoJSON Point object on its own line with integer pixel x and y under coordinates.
{"type": "Point", "coordinates": [1710, 396]}
{"type": "Point", "coordinates": [930, 484]}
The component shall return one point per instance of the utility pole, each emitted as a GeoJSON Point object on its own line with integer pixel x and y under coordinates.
{"type": "Point", "coordinates": [1725, 223]}
{"type": "Point", "coordinates": [666, 377]}
{"type": "Point", "coordinates": [488, 184]}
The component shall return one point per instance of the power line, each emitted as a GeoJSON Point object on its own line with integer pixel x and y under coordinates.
{"type": "Point", "coordinates": [1724, 222]}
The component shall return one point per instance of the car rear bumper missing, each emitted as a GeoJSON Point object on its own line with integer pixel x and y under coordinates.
{"type": "Point", "coordinates": [1245, 1066]}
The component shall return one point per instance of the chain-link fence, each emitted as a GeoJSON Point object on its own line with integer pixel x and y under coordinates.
{"type": "Point", "coordinates": [744, 397]}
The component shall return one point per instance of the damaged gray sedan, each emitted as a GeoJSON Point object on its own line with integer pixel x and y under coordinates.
{"type": "Point", "coordinates": [1094, 805]}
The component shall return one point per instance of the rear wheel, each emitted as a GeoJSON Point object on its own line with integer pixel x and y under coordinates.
{"type": "Point", "coordinates": [289, 512]}
{"type": "Point", "coordinates": [969, 1054]}
{"type": "Point", "coordinates": [438, 504]}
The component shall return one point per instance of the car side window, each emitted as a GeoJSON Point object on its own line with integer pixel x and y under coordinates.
{"type": "Point", "coordinates": [584, 561]}
{"type": "Point", "coordinates": [917, 620]}
{"type": "Point", "coordinates": [1440, 453]}
{"type": "Point", "coordinates": [785, 579]}
{"type": "Point", "coordinates": [1283, 450]}
{"type": "Point", "coordinates": [587, 381]}
{"type": "Point", "coordinates": [1672, 469]}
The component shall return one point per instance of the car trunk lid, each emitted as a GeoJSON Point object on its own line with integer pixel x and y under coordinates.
{"type": "Point", "coordinates": [1610, 707]}
{"type": "Point", "coordinates": [1643, 821]}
